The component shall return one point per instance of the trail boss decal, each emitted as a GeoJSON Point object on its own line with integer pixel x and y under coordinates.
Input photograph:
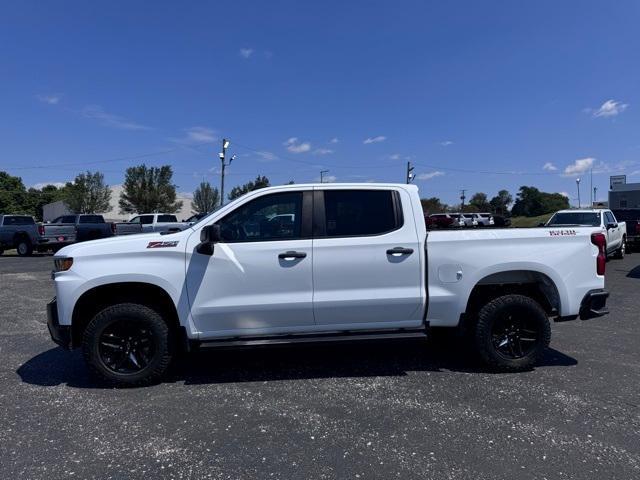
{"type": "Point", "coordinates": [173, 243]}
{"type": "Point", "coordinates": [559, 233]}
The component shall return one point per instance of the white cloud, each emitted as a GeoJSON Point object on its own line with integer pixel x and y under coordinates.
{"type": "Point", "coordinates": [610, 108]}
{"type": "Point", "coordinates": [395, 156]}
{"type": "Point", "coordinates": [195, 135]}
{"type": "Point", "coordinates": [294, 146]}
{"type": "Point", "coordinates": [429, 175]}
{"type": "Point", "coordinates": [322, 151]}
{"type": "Point", "coordinates": [41, 185]}
{"type": "Point", "coordinates": [246, 52]}
{"type": "Point", "coordinates": [96, 112]}
{"type": "Point", "coordinates": [267, 156]}
{"type": "Point", "coordinates": [378, 139]}
{"type": "Point", "coordinates": [580, 166]}
{"type": "Point", "coordinates": [327, 179]}
{"type": "Point", "coordinates": [334, 140]}
{"type": "Point", "coordinates": [446, 143]}
{"type": "Point", "coordinates": [564, 194]}
{"type": "Point", "coordinates": [549, 167]}
{"type": "Point", "coordinates": [52, 99]}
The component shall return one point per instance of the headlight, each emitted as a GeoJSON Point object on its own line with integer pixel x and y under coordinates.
{"type": "Point", "coordinates": [62, 264]}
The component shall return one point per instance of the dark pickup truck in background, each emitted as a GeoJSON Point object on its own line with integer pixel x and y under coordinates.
{"type": "Point", "coordinates": [22, 233]}
{"type": "Point", "coordinates": [93, 227]}
{"type": "Point", "coordinates": [88, 227]}
{"type": "Point", "coordinates": [631, 216]}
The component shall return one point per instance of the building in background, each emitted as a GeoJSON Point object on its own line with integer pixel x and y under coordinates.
{"type": "Point", "coordinates": [56, 209]}
{"type": "Point", "coordinates": [623, 194]}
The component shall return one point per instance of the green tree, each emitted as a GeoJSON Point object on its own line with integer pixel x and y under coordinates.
{"type": "Point", "coordinates": [260, 182]}
{"type": "Point", "coordinates": [500, 203]}
{"type": "Point", "coordinates": [88, 193]}
{"type": "Point", "coordinates": [480, 201]}
{"type": "Point", "coordinates": [13, 195]}
{"type": "Point", "coordinates": [433, 205]}
{"type": "Point", "coordinates": [205, 198]}
{"type": "Point", "coordinates": [531, 202]}
{"type": "Point", "coordinates": [38, 198]}
{"type": "Point", "coordinates": [148, 190]}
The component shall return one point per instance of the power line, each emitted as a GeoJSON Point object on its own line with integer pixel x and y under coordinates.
{"type": "Point", "coordinates": [110, 160]}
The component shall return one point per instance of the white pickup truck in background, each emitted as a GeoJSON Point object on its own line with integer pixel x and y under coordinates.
{"type": "Point", "coordinates": [602, 219]}
{"type": "Point", "coordinates": [159, 222]}
{"type": "Point", "coordinates": [319, 263]}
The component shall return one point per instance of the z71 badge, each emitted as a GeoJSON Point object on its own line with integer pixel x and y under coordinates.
{"type": "Point", "coordinates": [173, 243]}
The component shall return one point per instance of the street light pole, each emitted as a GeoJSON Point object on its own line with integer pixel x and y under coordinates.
{"type": "Point", "coordinates": [410, 175]}
{"type": "Point", "coordinates": [223, 160]}
{"type": "Point", "coordinates": [578, 185]}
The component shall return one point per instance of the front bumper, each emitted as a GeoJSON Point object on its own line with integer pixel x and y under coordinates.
{"type": "Point", "coordinates": [594, 304]}
{"type": "Point", "coordinates": [61, 334]}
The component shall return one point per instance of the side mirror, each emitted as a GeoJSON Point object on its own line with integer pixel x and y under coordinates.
{"type": "Point", "coordinates": [209, 235]}
{"type": "Point", "coordinates": [611, 225]}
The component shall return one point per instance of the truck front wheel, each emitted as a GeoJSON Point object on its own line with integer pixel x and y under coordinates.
{"type": "Point", "coordinates": [512, 333]}
{"type": "Point", "coordinates": [127, 344]}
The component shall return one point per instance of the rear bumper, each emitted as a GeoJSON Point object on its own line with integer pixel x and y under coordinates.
{"type": "Point", "coordinates": [61, 334]}
{"type": "Point", "coordinates": [594, 304]}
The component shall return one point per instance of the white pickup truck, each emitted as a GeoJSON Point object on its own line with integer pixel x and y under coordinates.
{"type": "Point", "coordinates": [602, 219]}
{"type": "Point", "coordinates": [322, 262]}
{"type": "Point", "coordinates": [158, 222]}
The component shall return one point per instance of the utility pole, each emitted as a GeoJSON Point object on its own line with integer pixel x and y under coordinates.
{"type": "Point", "coordinates": [223, 159]}
{"type": "Point", "coordinates": [591, 189]}
{"type": "Point", "coordinates": [410, 175]}
{"type": "Point", "coordinates": [578, 184]}
{"type": "Point", "coordinates": [595, 193]}
{"type": "Point", "coordinates": [322, 172]}
{"type": "Point", "coordinates": [462, 197]}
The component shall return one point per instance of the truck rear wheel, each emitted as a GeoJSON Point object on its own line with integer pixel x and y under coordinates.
{"type": "Point", "coordinates": [622, 250]}
{"type": "Point", "coordinates": [127, 344]}
{"type": "Point", "coordinates": [24, 247]}
{"type": "Point", "coordinates": [512, 333]}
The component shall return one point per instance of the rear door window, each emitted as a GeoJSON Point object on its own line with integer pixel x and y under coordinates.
{"type": "Point", "coordinates": [351, 213]}
{"type": "Point", "coordinates": [167, 219]}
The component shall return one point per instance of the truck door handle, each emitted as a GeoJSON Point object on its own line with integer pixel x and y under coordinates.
{"type": "Point", "coordinates": [290, 255]}
{"type": "Point", "coordinates": [397, 251]}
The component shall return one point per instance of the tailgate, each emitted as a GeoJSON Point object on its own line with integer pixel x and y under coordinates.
{"type": "Point", "coordinates": [128, 228]}
{"type": "Point", "coordinates": [62, 233]}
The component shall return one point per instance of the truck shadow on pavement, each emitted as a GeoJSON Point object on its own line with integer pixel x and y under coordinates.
{"type": "Point", "coordinates": [634, 272]}
{"type": "Point", "coordinates": [397, 358]}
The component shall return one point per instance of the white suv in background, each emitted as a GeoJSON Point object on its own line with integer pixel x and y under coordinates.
{"type": "Point", "coordinates": [483, 219]}
{"type": "Point", "coordinates": [463, 220]}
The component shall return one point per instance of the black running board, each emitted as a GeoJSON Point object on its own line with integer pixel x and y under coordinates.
{"type": "Point", "coordinates": [313, 338]}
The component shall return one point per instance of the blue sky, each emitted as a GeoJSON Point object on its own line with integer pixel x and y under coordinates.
{"type": "Point", "coordinates": [480, 95]}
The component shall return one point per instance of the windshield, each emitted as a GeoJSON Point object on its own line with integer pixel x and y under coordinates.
{"type": "Point", "coordinates": [589, 219]}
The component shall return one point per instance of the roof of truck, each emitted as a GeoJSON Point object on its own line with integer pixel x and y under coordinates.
{"type": "Point", "coordinates": [583, 210]}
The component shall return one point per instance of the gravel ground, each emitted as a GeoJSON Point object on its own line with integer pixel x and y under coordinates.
{"type": "Point", "coordinates": [386, 410]}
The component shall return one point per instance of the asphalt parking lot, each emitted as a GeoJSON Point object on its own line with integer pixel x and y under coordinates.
{"type": "Point", "coordinates": [395, 410]}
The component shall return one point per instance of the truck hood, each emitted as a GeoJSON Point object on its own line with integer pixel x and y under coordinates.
{"type": "Point", "coordinates": [126, 244]}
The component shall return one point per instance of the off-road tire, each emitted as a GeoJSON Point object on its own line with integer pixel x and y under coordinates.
{"type": "Point", "coordinates": [498, 310]}
{"type": "Point", "coordinates": [139, 315]}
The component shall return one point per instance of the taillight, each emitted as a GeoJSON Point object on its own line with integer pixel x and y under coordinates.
{"type": "Point", "coordinates": [600, 241]}
{"type": "Point", "coordinates": [638, 227]}
{"type": "Point", "coordinates": [41, 230]}
{"type": "Point", "coordinates": [113, 228]}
